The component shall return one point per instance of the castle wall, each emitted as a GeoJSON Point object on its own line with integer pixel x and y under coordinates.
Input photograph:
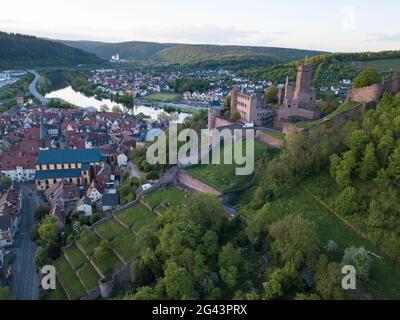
{"type": "Point", "coordinates": [268, 140]}
{"type": "Point", "coordinates": [367, 94]}
{"type": "Point", "coordinates": [192, 183]}
{"type": "Point", "coordinates": [221, 122]}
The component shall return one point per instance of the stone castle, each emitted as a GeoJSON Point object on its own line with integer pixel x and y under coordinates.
{"type": "Point", "coordinates": [298, 100]}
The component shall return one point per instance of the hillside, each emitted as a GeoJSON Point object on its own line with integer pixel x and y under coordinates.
{"type": "Point", "coordinates": [164, 53]}
{"type": "Point", "coordinates": [332, 68]}
{"type": "Point", "coordinates": [22, 51]}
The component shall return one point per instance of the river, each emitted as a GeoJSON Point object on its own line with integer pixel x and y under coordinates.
{"type": "Point", "coordinates": [76, 98]}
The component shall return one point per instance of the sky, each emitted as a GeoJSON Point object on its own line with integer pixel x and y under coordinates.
{"type": "Point", "coordinates": [336, 25]}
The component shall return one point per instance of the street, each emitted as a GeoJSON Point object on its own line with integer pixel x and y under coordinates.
{"type": "Point", "coordinates": [133, 170]}
{"type": "Point", "coordinates": [33, 90]}
{"type": "Point", "coordinates": [24, 282]}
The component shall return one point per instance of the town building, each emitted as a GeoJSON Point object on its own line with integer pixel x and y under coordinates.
{"type": "Point", "coordinates": [10, 215]}
{"type": "Point", "coordinates": [77, 166]}
{"type": "Point", "coordinates": [252, 108]}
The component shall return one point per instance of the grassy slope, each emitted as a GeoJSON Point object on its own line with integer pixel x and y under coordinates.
{"type": "Point", "coordinates": [344, 107]}
{"type": "Point", "coordinates": [385, 274]}
{"type": "Point", "coordinates": [138, 216]}
{"type": "Point", "coordinates": [223, 177]}
{"type": "Point", "coordinates": [165, 197]}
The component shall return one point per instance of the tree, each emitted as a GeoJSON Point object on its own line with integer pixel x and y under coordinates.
{"type": "Point", "coordinates": [5, 182]}
{"type": "Point", "coordinates": [367, 77]}
{"type": "Point", "coordinates": [178, 282]}
{"type": "Point", "coordinates": [235, 116]}
{"type": "Point", "coordinates": [5, 294]}
{"type": "Point", "coordinates": [274, 286]}
{"type": "Point", "coordinates": [227, 104]}
{"type": "Point", "coordinates": [328, 279]}
{"type": "Point", "coordinates": [53, 251]}
{"type": "Point", "coordinates": [296, 241]}
{"type": "Point", "coordinates": [104, 108]}
{"type": "Point", "coordinates": [41, 212]}
{"type": "Point", "coordinates": [347, 201]}
{"type": "Point", "coordinates": [206, 211]}
{"type": "Point", "coordinates": [360, 259]}
{"type": "Point", "coordinates": [369, 164]}
{"type": "Point", "coordinates": [48, 230]}
{"type": "Point", "coordinates": [41, 258]}
{"type": "Point", "coordinates": [116, 109]}
{"type": "Point", "coordinates": [210, 245]}
{"type": "Point", "coordinates": [271, 94]}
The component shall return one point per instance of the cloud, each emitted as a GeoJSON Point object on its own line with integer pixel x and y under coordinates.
{"type": "Point", "coordinates": [207, 34]}
{"type": "Point", "coordinates": [384, 37]}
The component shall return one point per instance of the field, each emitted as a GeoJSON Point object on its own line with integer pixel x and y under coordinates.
{"type": "Point", "coordinates": [75, 257]}
{"type": "Point", "coordinates": [223, 177]}
{"type": "Point", "coordinates": [162, 97]}
{"type": "Point", "coordinates": [120, 239]}
{"type": "Point", "coordinates": [89, 276]}
{"type": "Point", "coordinates": [164, 198]}
{"type": "Point", "coordinates": [69, 279]}
{"type": "Point", "coordinates": [380, 65]}
{"type": "Point", "coordinates": [107, 262]}
{"type": "Point", "coordinates": [385, 274]}
{"type": "Point", "coordinates": [137, 216]}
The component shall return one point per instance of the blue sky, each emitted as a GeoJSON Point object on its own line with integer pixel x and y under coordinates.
{"type": "Point", "coordinates": [338, 25]}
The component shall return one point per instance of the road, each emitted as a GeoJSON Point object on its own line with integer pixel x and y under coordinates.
{"type": "Point", "coordinates": [25, 282]}
{"type": "Point", "coordinates": [33, 90]}
{"type": "Point", "coordinates": [133, 170]}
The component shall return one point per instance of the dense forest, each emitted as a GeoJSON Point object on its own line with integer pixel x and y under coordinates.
{"type": "Point", "coordinates": [21, 51]}
{"type": "Point", "coordinates": [237, 57]}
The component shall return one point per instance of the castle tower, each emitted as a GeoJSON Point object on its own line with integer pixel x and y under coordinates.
{"type": "Point", "coordinates": [212, 120]}
{"type": "Point", "coordinates": [234, 98]}
{"type": "Point", "coordinates": [303, 93]}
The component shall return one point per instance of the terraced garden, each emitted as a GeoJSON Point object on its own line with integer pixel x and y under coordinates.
{"type": "Point", "coordinates": [137, 217]}
{"type": "Point", "coordinates": [165, 198]}
{"type": "Point", "coordinates": [223, 177]}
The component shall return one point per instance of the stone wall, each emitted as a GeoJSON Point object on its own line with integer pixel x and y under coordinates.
{"type": "Point", "coordinates": [221, 122]}
{"type": "Point", "coordinates": [374, 93]}
{"type": "Point", "coordinates": [269, 140]}
{"type": "Point", "coordinates": [192, 183]}
{"type": "Point", "coordinates": [291, 128]}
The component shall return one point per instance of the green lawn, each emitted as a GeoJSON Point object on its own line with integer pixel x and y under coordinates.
{"type": "Point", "coordinates": [120, 239]}
{"type": "Point", "coordinates": [163, 198]}
{"type": "Point", "coordinates": [57, 295]}
{"type": "Point", "coordinates": [75, 257]}
{"type": "Point", "coordinates": [107, 263]}
{"type": "Point", "coordinates": [69, 279]}
{"type": "Point", "coordinates": [385, 273]}
{"type": "Point", "coordinates": [137, 216]}
{"type": "Point", "coordinates": [109, 229]}
{"type": "Point", "coordinates": [223, 177]}
{"type": "Point", "coordinates": [90, 243]}
{"type": "Point", "coordinates": [89, 276]}
{"type": "Point", "coordinates": [163, 97]}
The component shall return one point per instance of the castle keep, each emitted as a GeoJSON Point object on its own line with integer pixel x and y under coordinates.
{"type": "Point", "coordinates": [298, 100]}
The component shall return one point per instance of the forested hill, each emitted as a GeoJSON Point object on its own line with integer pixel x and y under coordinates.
{"type": "Point", "coordinates": [22, 51]}
{"type": "Point", "coordinates": [167, 53]}
{"type": "Point", "coordinates": [331, 68]}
